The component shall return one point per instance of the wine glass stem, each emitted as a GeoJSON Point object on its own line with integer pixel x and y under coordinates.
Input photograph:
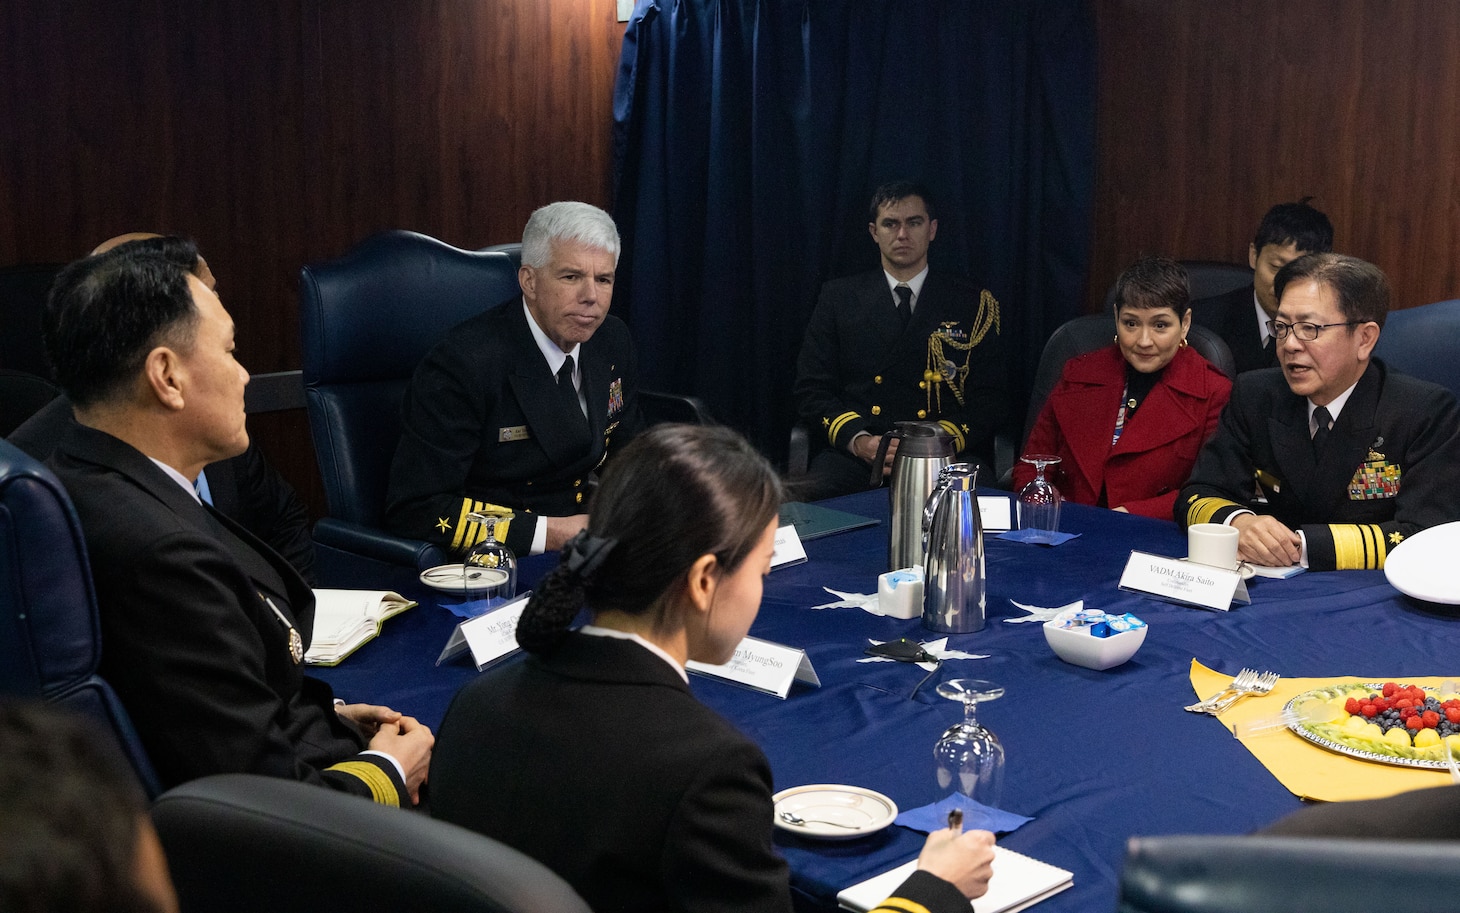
{"type": "Point", "coordinates": [970, 713]}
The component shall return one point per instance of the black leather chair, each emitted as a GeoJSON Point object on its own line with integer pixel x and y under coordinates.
{"type": "Point", "coordinates": [1206, 279]}
{"type": "Point", "coordinates": [1420, 341]}
{"type": "Point", "coordinates": [367, 319]}
{"type": "Point", "coordinates": [238, 842]}
{"type": "Point", "coordinates": [1288, 875]}
{"type": "Point", "coordinates": [50, 635]}
{"type": "Point", "coordinates": [22, 395]}
{"type": "Point", "coordinates": [1088, 333]}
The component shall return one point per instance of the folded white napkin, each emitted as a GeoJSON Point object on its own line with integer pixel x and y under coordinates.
{"type": "Point", "coordinates": [1041, 615]}
{"type": "Point", "coordinates": [938, 648]}
{"type": "Point", "coordinates": [865, 602]}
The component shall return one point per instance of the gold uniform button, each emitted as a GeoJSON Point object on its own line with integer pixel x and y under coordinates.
{"type": "Point", "coordinates": [877, 379]}
{"type": "Point", "coordinates": [922, 385]}
{"type": "Point", "coordinates": [578, 497]}
{"type": "Point", "coordinates": [577, 482]}
{"type": "Point", "coordinates": [529, 482]}
{"type": "Point", "coordinates": [876, 410]}
{"type": "Point", "coordinates": [922, 413]}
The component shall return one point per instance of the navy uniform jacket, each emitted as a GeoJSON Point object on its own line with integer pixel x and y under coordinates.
{"type": "Point", "coordinates": [1233, 316]}
{"type": "Point", "coordinates": [1388, 470]}
{"type": "Point", "coordinates": [200, 661]}
{"type": "Point", "coordinates": [482, 425]}
{"type": "Point", "coordinates": [654, 802]}
{"type": "Point", "coordinates": [861, 370]}
{"type": "Point", "coordinates": [245, 488]}
{"type": "Point", "coordinates": [1420, 814]}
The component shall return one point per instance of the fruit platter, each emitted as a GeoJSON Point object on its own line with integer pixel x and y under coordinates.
{"type": "Point", "coordinates": [1386, 722]}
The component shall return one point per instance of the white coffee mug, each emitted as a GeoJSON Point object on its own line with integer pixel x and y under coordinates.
{"type": "Point", "coordinates": [1212, 544]}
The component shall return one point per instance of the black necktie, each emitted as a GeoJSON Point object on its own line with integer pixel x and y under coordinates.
{"type": "Point", "coordinates": [567, 392]}
{"type": "Point", "coordinates": [1320, 433]}
{"type": "Point", "coordinates": [904, 303]}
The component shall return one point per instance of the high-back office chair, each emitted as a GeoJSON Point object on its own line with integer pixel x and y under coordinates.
{"type": "Point", "coordinates": [1287, 875]}
{"type": "Point", "coordinates": [22, 395]}
{"type": "Point", "coordinates": [1205, 278]}
{"type": "Point", "coordinates": [50, 635]}
{"type": "Point", "coordinates": [367, 320]}
{"type": "Point", "coordinates": [1420, 341]}
{"type": "Point", "coordinates": [245, 843]}
{"type": "Point", "coordinates": [1088, 333]}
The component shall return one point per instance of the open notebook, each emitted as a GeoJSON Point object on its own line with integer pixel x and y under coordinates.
{"type": "Point", "coordinates": [1018, 882]}
{"type": "Point", "coordinates": [346, 619]}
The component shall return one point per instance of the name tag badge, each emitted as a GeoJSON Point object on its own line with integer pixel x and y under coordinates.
{"type": "Point", "coordinates": [788, 549]}
{"type": "Point", "coordinates": [1184, 581]}
{"type": "Point", "coordinates": [762, 666]}
{"type": "Point", "coordinates": [514, 433]}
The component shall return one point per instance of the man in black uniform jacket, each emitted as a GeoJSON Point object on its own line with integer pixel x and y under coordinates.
{"type": "Point", "coordinates": [904, 343]}
{"type": "Point", "coordinates": [1287, 232]}
{"type": "Point", "coordinates": [204, 626]}
{"type": "Point", "coordinates": [515, 408]}
{"type": "Point", "coordinates": [1348, 456]}
{"type": "Point", "coordinates": [244, 488]}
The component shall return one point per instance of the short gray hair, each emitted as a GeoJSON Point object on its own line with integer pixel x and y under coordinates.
{"type": "Point", "coordinates": [567, 221]}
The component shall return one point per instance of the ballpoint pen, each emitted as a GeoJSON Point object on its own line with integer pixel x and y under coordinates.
{"type": "Point", "coordinates": [955, 819]}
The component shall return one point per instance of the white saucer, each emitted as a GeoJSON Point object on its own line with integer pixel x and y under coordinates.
{"type": "Point", "coordinates": [863, 810]}
{"type": "Point", "coordinates": [448, 578]}
{"type": "Point", "coordinates": [1423, 566]}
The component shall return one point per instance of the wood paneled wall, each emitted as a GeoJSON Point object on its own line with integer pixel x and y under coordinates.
{"type": "Point", "coordinates": [1210, 112]}
{"type": "Point", "coordinates": [281, 133]}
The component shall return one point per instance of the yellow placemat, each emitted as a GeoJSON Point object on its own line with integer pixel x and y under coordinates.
{"type": "Point", "coordinates": [1308, 771]}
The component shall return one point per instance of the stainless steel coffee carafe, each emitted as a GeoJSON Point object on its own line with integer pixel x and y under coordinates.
{"type": "Point", "coordinates": [954, 599]}
{"type": "Point", "coordinates": [923, 450]}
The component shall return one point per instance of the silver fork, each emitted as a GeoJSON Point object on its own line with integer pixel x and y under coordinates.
{"type": "Point", "coordinates": [1263, 685]}
{"type": "Point", "coordinates": [1243, 679]}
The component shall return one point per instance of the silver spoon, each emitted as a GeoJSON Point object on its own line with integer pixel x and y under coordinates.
{"type": "Point", "coordinates": [793, 818]}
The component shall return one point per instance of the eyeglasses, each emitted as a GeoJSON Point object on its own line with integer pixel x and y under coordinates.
{"type": "Point", "coordinates": [1305, 331]}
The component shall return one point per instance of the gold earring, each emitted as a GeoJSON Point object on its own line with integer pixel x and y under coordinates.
{"type": "Point", "coordinates": [1183, 343]}
{"type": "Point", "coordinates": [1115, 339]}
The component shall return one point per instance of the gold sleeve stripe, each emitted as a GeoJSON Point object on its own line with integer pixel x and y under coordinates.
{"type": "Point", "coordinates": [1201, 510]}
{"type": "Point", "coordinates": [1358, 546]}
{"type": "Point", "coordinates": [835, 427]}
{"type": "Point", "coordinates": [957, 433]}
{"type": "Point", "coordinates": [900, 905]}
{"type": "Point", "coordinates": [468, 532]}
{"type": "Point", "coordinates": [382, 790]}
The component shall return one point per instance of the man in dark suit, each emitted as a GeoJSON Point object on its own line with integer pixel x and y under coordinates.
{"type": "Point", "coordinates": [515, 408]}
{"type": "Point", "coordinates": [1419, 814]}
{"type": "Point", "coordinates": [204, 625]}
{"type": "Point", "coordinates": [244, 488]}
{"type": "Point", "coordinates": [905, 343]}
{"type": "Point", "coordinates": [1287, 232]}
{"type": "Point", "coordinates": [1349, 457]}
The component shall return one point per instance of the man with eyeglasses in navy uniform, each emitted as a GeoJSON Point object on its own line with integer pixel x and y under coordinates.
{"type": "Point", "coordinates": [1331, 459]}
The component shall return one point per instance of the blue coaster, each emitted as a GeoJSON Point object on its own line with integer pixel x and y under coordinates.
{"type": "Point", "coordinates": [976, 816]}
{"type": "Point", "coordinates": [1038, 536]}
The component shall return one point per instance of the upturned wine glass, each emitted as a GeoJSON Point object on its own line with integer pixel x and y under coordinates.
{"type": "Point", "coordinates": [1039, 502]}
{"type": "Point", "coordinates": [970, 758]}
{"type": "Point", "coordinates": [489, 570]}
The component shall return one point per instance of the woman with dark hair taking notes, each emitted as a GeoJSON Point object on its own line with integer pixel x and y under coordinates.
{"type": "Point", "coordinates": [593, 756]}
{"type": "Point", "coordinates": [1128, 420]}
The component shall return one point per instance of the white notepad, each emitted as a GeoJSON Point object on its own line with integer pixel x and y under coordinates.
{"type": "Point", "coordinates": [344, 620]}
{"type": "Point", "coordinates": [1018, 882]}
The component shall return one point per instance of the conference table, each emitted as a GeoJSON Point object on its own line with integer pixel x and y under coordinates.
{"type": "Point", "coordinates": [1093, 757]}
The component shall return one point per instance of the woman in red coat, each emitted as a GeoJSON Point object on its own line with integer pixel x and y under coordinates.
{"type": "Point", "coordinates": [1128, 420]}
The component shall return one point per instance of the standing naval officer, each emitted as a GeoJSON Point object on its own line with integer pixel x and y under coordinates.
{"type": "Point", "coordinates": [903, 343]}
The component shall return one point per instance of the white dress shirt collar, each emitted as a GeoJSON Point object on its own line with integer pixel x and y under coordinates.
{"type": "Point", "coordinates": [179, 478]}
{"type": "Point", "coordinates": [915, 283]}
{"type": "Point", "coordinates": [596, 631]}
{"type": "Point", "coordinates": [550, 351]}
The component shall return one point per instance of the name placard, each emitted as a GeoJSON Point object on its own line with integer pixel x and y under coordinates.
{"type": "Point", "coordinates": [789, 549]}
{"type": "Point", "coordinates": [995, 513]}
{"type": "Point", "coordinates": [1184, 581]}
{"type": "Point", "coordinates": [763, 666]}
{"type": "Point", "coordinates": [490, 637]}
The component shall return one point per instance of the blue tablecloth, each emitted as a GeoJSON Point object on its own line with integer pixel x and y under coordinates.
{"type": "Point", "coordinates": [1093, 757]}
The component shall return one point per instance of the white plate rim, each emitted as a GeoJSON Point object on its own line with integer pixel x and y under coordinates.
{"type": "Point", "coordinates": [831, 832]}
{"type": "Point", "coordinates": [450, 584]}
{"type": "Point", "coordinates": [1411, 565]}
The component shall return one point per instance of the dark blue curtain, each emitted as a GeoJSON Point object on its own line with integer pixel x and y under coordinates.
{"type": "Point", "coordinates": [749, 135]}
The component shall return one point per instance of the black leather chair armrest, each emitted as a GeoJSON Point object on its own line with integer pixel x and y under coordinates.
{"type": "Point", "coordinates": [377, 545]}
{"type": "Point", "coordinates": [798, 453]}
